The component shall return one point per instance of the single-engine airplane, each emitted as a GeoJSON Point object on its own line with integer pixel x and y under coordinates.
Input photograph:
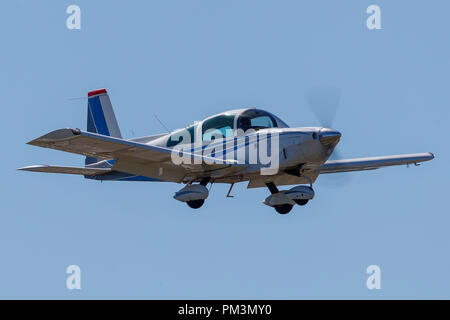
{"type": "Point", "coordinates": [216, 150]}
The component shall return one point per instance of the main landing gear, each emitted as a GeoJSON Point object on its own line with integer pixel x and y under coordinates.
{"type": "Point", "coordinates": [301, 202]}
{"type": "Point", "coordinates": [193, 194]}
{"type": "Point", "coordinates": [195, 204]}
{"type": "Point", "coordinates": [284, 201]}
{"type": "Point", "coordinates": [283, 208]}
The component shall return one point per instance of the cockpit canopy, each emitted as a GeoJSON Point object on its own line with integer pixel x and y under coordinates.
{"type": "Point", "coordinates": [258, 119]}
{"type": "Point", "coordinates": [225, 124]}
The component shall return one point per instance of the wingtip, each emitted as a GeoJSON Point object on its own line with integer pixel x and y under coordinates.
{"type": "Point", "coordinates": [30, 168]}
{"type": "Point", "coordinates": [58, 134]}
{"type": "Point", "coordinates": [32, 142]}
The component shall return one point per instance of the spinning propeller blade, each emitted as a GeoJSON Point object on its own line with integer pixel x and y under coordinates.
{"type": "Point", "coordinates": [323, 101]}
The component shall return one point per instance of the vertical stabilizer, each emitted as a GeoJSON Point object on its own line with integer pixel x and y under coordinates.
{"type": "Point", "coordinates": [100, 117]}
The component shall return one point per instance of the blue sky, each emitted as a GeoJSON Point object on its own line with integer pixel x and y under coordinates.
{"type": "Point", "coordinates": [185, 60]}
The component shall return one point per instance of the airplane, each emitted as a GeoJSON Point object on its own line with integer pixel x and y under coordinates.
{"type": "Point", "coordinates": [302, 154]}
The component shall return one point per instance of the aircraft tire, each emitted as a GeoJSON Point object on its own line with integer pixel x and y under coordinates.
{"type": "Point", "coordinates": [195, 204]}
{"type": "Point", "coordinates": [283, 208]}
{"type": "Point", "coordinates": [301, 202]}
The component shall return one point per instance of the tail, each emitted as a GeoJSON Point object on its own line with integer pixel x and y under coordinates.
{"type": "Point", "coordinates": [101, 118]}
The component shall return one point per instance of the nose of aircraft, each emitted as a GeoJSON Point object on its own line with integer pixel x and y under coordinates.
{"type": "Point", "coordinates": [328, 136]}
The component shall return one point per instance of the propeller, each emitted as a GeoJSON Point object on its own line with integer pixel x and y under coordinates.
{"type": "Point", "coordinates": [323, 101]}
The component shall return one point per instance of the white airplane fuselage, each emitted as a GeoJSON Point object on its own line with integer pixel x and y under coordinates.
{"type": "Point", "coordinates": [295, 146]}
{"type": "Point", "coordinates": [239, 145]}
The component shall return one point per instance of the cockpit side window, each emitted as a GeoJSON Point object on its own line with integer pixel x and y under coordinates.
{"type": "Point", "coordinates": [218, 127]}
{"type": "Point", "coordinates": [184, 136]}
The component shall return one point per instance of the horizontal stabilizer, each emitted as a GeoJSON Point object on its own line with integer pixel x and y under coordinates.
{"type": "Point", "coordinates": [67, 170]}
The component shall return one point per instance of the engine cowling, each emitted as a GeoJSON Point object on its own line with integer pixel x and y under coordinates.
{"type": "Point", "coordinates": [192, 192]}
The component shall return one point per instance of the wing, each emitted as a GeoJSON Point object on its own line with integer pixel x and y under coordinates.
{"type": "Point", "coordinates": [68, 170]}
{"type": "Point", "coordinates": [106, 147]}
{"type": "Point", "coordinates": [360, 164]}
{"type": "Point", "coordinates": [133, 157]}
{"type": "Point", "coordinates": [333, 166]}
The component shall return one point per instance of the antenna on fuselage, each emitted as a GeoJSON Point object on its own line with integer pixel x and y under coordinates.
{"type": "Point", "coordinates": [77, 98]}
{"type": "Point", "coordinates": [162, 124]}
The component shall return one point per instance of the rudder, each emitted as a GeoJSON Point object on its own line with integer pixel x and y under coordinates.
{"type": "Point", "coordinates": [100, 117]}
